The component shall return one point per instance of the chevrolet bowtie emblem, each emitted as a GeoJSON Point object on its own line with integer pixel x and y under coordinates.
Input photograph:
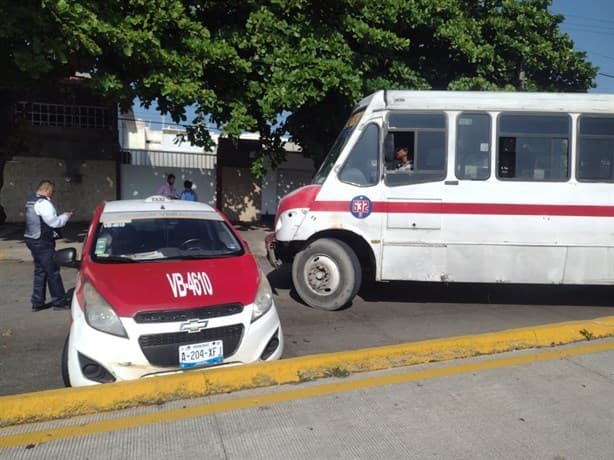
{"type": "Point", "coordinates": [194, 325]}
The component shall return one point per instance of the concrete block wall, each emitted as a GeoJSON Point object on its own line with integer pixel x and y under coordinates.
{"type": "Point", "coordinates": [241, 195]}
{"type": "Point", "coordinates": [22, 175]}
{"type": "Point", "coordinates": [295, 172]}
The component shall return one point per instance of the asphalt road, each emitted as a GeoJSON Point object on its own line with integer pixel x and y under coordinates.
{"type": "Point", "coordinates": [383, 314]}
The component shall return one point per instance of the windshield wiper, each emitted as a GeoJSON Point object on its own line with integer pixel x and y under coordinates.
{"type": "Point", "coordinates": [192, 256]}
{"type": "Point", "coordinates": [120, 259]}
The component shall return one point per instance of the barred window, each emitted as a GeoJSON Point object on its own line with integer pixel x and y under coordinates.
{"type": "Point", "coordinates": [64, 116]}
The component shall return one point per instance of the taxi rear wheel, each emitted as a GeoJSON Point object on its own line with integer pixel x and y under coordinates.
{"type": "Point", "coordinates": [326, 274]}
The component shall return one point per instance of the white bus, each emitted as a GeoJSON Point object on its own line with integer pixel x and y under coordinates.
{"type": "Point", "coordinates": [500, 187]}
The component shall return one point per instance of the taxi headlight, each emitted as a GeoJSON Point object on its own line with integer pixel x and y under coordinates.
{"type": "Point", "coordinates": [264, 299]}
{"type": "Point", "coordinates": [99, 314]}
{"type": "Point", "coordinates": [279, 223]}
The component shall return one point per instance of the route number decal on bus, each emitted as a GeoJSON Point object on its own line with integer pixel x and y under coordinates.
{"type": "Point", "coordinates": [360, 206]}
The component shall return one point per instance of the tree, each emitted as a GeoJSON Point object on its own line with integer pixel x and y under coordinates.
{"type": "Point", "coordinates": [245, 63]}
{"type": "Point", "coordinates": [315, 59]}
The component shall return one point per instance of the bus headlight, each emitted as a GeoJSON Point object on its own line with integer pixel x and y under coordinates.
{"type": "Point", "coordinates": [99, 314]}
{"type": "Point", "coordinates": [264, 299]}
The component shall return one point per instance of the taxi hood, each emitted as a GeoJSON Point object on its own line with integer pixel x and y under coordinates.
{"type": "Point", "coordinates": [175, 284]}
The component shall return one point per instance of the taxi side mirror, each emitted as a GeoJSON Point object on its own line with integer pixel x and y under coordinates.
{"type": "Point", "coordinates": [67, 257]}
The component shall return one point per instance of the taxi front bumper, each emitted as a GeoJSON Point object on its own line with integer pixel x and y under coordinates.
{"type": "Point", "coordinates": [125, 358]}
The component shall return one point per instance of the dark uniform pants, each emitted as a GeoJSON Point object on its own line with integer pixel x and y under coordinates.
{"type": "Point", "coordinates": [46, 272]}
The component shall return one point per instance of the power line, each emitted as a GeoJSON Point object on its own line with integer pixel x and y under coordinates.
{"type": "Point", "coordinates": [607, 21]}
{"type": "Point", "coordinates": [600, 55]}
{"type": "Point", "coordinates": [605, 75]}
{"type": "Point", "coordinates": [588, 30]}
{"type": "Point", "coordinates": [590, 26]}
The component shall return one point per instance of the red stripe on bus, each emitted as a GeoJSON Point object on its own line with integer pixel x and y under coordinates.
{"type": "Point", "coordinates": [473, 208]}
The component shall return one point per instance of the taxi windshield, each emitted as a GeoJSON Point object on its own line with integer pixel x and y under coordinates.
{"type": "Point", "coordinates": [337, 147]}
{"type": "Point", "coordinates": [131, 240]}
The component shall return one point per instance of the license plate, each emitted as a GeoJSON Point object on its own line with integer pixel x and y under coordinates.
{"type": "Point", "coordinates": [201, 354]}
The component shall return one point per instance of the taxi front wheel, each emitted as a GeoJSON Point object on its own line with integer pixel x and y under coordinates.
{"type": "Point", "coordinates": [65, 376]}
{"type": "Point", "coordinates": [326, 274]}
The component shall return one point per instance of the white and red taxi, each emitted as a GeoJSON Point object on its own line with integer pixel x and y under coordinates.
{"type": "Point", "coordinates": [165, 286]}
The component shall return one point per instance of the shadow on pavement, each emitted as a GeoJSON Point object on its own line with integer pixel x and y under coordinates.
{"type": "Point", "coordinates": [470, 293]}
{"type": "Point", "coordinates": [244, 226]}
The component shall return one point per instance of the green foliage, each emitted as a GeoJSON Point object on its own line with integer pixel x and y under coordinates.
{"type": "Point", "coordinates": [244, 63]}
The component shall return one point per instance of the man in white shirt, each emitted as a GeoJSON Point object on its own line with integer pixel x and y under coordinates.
{"type": "Point", "coordinates": [42, 222]}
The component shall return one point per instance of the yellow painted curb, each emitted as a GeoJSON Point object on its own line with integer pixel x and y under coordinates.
{"type": "Point", "coordinates": [69, 402]}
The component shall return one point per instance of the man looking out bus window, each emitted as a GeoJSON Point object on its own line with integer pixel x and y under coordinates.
{"type": "Point", "coordinates": [403, 162]}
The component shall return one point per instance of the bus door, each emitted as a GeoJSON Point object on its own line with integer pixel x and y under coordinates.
{"type": "Point", "coordinates": [415, 160]}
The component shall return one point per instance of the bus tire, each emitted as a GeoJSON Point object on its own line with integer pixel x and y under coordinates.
{"type": "Point", "coordinates": [326, 274]}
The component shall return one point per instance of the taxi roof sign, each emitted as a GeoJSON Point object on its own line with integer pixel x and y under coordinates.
{"type": "Point", "coordinates": [156, 198]}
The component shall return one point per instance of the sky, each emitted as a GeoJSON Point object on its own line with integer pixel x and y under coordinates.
{"type": "Point", "coordinates": [589, 23]}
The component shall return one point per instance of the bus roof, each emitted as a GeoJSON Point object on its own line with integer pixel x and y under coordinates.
{"type": "Point", "coordinates": [489, 101]}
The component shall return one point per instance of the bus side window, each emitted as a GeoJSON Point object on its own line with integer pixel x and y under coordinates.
{"type": "Point", "coordinates": [473, 146]}
{"type": "Point", "coordinates": [424, 137]}
{"type": "Point", "coordinates": [533, 147]}
{"type": "Point", "coordinates": [596, 149]}
{"type": "Point", "coordinates": [362, 165]}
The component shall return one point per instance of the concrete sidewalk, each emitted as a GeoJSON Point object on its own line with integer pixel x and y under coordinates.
{"type": "Point", "coordinates": [546, 404]}
{"type": "Point", "coordinates": [69, 402]}
{"type": "Point", "coordinates": [12, 246]}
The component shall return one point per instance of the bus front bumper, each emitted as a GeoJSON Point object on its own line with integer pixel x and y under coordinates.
{"type": "Point", "coordinates": [270, 243]}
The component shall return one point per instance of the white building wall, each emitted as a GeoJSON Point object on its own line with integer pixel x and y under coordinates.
{"type": "Point", "coordinates": [157, 153]}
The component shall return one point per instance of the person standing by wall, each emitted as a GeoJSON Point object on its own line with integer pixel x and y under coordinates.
{"type": "Point", "coordinates": [42, 224]}
{"type": "Point", "coordinates": [168, 188]}
{"type": "Point", "coordinates": [188, 194]}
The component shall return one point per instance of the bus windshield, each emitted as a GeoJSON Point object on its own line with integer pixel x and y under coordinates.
{"type": "Point", "coordinates": [337, 147]}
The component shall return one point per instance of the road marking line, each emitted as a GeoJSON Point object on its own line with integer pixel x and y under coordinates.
{"type": "Point", "coordinates": [56, 434]}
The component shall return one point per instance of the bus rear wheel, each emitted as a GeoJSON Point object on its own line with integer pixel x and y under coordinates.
{"type": "Point", "coordinates": [326, 274]}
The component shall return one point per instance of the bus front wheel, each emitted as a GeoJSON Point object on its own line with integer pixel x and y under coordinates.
{"type": "Point", "coordinates": [326, 274]}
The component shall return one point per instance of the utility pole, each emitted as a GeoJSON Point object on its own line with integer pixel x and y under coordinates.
{"type": "Point", "coordinates": [522, 78]}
